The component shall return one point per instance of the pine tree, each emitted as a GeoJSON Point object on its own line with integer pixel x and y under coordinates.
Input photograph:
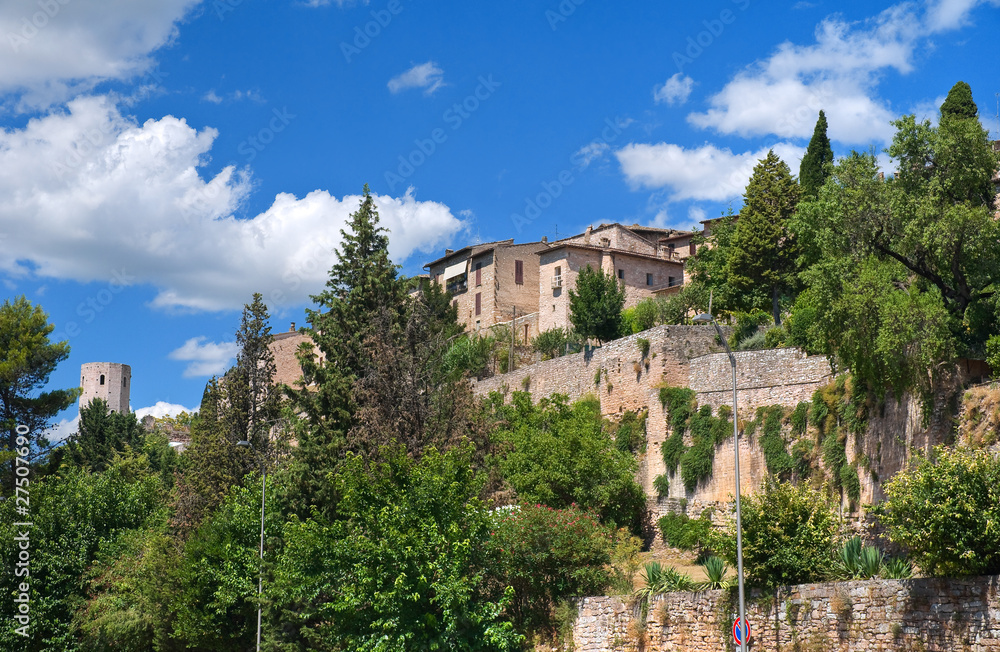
{"type": "Point", "coordinates": [761, 267]}
{"type": "Point", "coordinates": [363, 297]}
{"type": "Point", "coordinates": [817, 162]}
{"type": "Point", "coordinates": [596, 305]}
{"type": "Point", "coordinates": [252, 402]}
{"type": "Point", "coordinates": [102, 434]}
{"type": "Point", "coordinates": [27, 359]}
{"type": "Point", "coordinates": [959, 102]}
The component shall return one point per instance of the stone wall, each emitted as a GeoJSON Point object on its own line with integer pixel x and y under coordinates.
{"type": "Point", "coordinates": [767, 377]}
{"type": "Point", "coordinates": [627, 381]}
{"type": "Point", "coordinates": [877, 615]}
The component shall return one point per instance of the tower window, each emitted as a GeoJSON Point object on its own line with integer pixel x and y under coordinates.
{"type": "Point", "coordinates": [123, 381]}
{"type": "Point", "coordinates": [102, 379]}
{"type": "Point", "coordinates": [649, 278]}
{"type": "Point", "coordinates": [621, 274]}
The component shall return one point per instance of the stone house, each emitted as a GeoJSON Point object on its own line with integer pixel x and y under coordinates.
{"type": "Point", "coordinates": [644, 259]}
{"type": "Point", "coordinates": [489, 282]}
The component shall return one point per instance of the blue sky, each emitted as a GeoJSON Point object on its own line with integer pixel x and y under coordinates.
{"type": "Point", "coordinates": [161, 160]}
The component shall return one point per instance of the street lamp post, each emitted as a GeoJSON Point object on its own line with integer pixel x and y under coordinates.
{"type": "Point", "coordinates": [260, 572]}
{"type": "Point", "coordinates": [706, 317]}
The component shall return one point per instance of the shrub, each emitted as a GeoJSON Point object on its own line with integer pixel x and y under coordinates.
{"type": "Point", "coordinates": [641, 317]}
{"type": "Point", "coordinates": [555, 342]}
{"type": "Point", "coordinates": [800, 418]}
{"type": "Point", "coordinates": [788, 535]}
{"type": "Point", "coordinates": [643, 345]}
{"type": "Point", "coordinates": [747, 325]}
{"type": "Point", "coordinates": [774, 337]}
{"type": "Point", "coordinates": [470, 353]}
{"type": "Point", "coordinates": [630, 432]}
{"type": "Point", "coordinates": [754, 342]}
{"type": "Point", "coordinates": [993, 354]}
{"type": "Point", "coordinates": [546, 555]}
{"type": "Point", "coordinates": [945, 511]}
{"type": "Point", "coordinates": [672, 449]}
{"type": "Point", "coordinates": [662, 485]}
{"type": "Point", "coordinates": [686, 533]}
{"type": "Point", "coordinates": [776, 456]}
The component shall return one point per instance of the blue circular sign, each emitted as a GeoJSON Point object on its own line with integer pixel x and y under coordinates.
{"type": "Point", "coordinates": [738, 634]}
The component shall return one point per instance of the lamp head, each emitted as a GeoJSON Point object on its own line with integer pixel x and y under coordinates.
{"type": "Point", "coordinates": [703, 317]}
{"type": "Point", "coordinates": [244, 444]}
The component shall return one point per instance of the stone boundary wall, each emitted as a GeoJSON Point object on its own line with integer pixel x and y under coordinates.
{"type": "Point", "coordinates": [627, 380]}
{"type": "Point", "coordinates": [766, 377]}
{"type": "Point", "coordinates": [929, 615]}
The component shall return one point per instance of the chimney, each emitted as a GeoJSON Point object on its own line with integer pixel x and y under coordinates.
{"type": "Point", "coordinates": [448, 252]}
{"type": "Point", "coordinates": [586, 236]}
{"type": "Point", "coordinates": [545, 239]}
{"type": "Point", "coordinates": [292, 329]}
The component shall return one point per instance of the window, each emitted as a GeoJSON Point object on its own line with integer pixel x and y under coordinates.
{"type": "Point", "coordinates": [123, 381]}
{"type": "Point", "coordinates": [670, 281]}
{"type": "Point", "coordinates": [621, 274]}
{"type": "Point", "coordinates": [519, 272]}
{"type": "Point", "coordinates": [102, 379]}
{"type": "Point", "coordinates": [479, 274]}
{"type": "Point", "coordinates": [649, 278]}
{"type": "Point", "coordinates": [691, 249]}
{"type": "Point", "coordinates": [479, 303]}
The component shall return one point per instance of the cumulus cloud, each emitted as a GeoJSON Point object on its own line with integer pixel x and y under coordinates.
{"type": "Point", "coordinates": [427, 76]}
{"type": "Point", "coordinates": [92, 196]}
{"type": "Point", "coordinates": [205, 358]}
{"type": "Point", "coordinates": [163, 409]}
{"type": "Point", "coordinates": [839, 73]}
{"type": "Point", "coordinates": [675, 90]}
{"type": "Point", "coordinates": [108, 39]}
{"type": "Point", "coordinates": [705, 173]}
{"type": "Point", "coordinates": [62, 431]}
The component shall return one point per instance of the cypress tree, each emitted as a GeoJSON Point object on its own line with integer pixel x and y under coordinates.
{"type": "Point", "coordinates": [761, 266]}
{"type": "Point", "coordinates": [959, 102]}
{"type": "Point", "coordinates": [815, 167]}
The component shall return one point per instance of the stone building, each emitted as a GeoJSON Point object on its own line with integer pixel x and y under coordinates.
{"type": "Point", "coordinates": [489, 282]}
{"type": "Point", "coordinates": [644, 259]}
{"type": "Point", "coordinates": [110, 381]}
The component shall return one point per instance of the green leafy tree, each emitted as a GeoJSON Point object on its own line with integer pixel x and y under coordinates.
{"type": "Point", "coordinates": [817, 161]}
{"type": "Point", "coordinates": [959, 102]}
{"type": "Point", "coordinates": [102, 434]}
{"type": "Point", "coordinates": [944, 511]}
{"type": "Point", "coordinates": [788, 535]}
{"type": "Point", "coordinates": [27, 359]}
{"type": "Point", "coordinates": [761, 265]}
{"type": "Point", "coordinates": [74, 517]}
{"type": "Point", "coordinates": [596, 305]}
{"type": "Point", "coordinates": [560, 454]}
{"type": "Point", "coordinates": [706, 274]}
{"type": "Point", "coordinates": [398, 569]}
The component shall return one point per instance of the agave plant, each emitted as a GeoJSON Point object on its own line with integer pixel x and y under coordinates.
{"type": "Point", "coordinates": [870, 562]}
{"type": "Point", "coordinates": [849, 561]}
{"type": "Point", "coordinates": [897, 568]}
{"type": "Point", "coordinates": [715, 569]}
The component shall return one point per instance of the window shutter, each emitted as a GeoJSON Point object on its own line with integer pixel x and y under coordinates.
{"type": "Point", "coordinates": [479, 302]}
{"type": "Point", "coordinates": [519, 272]}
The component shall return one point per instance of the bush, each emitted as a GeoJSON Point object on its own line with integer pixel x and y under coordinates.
{"type": "Point", "coordinates": [681, 531]}
{"type": "Point", "coordinates": [945, 512]}
{"type": "Point", "coordinates": [754, 342]}
{"type": "Point", "coordinates": [662, 485]}
{"type": "Point", "coordinates": [470, 353]}
{"type": "Point", "coordinates": [772, 444]}
{"type": "Point", "coordinates": [774, 337]}
{"type": "Point", "coordinates": [546, 555]}
{"type": "Point", "coordinates": [707, 432]}
{"type": "Point", "coordinates": [800, 419]}
{"type": "Point", "coordinates": [993, 354]}
{"type": "Point", "coordinates": [630, 432]}
{"type": "Point", "coordinates": [556, 342]}
{"type": "Point", "coordinates": [748, 325]}
{"type": "Point", "coordinates": [788, 535]}
{"type": "Point", "coordinates": [640, 317]}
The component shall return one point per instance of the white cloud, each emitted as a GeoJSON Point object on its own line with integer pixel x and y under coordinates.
{"type": "Point", "coordinates": [63, 430]}
{"type": "Point", "coordinates": [675, 90]}
{"type": "Point", "coordinates": [212, 97]}
{"type": "Point", "coordinates": [427, 76]}
{"type": "Point", "coordinates": [92, 196]}
{"type": "Point", "coordinates": [206, 358]}
{"type": "Point", "coordinates": [839, 73]}
{"type": "Point", "coordinates": [704, 173]}
{"type": "Point", "coordinates": [163, 409]}
{"type": "Point", "coordinates": [108, 39]}
{"type": "Point", "coordinates": [590, 153]}
{"type": "Point", "coordinates": [696, 214]}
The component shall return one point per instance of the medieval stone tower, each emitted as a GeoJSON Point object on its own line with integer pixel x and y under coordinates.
{"type": "Point", "coordinates": [108, 380]}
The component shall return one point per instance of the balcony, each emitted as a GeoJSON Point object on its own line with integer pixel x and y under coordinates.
{"type": "Point", "coordinates": [556, 282]}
